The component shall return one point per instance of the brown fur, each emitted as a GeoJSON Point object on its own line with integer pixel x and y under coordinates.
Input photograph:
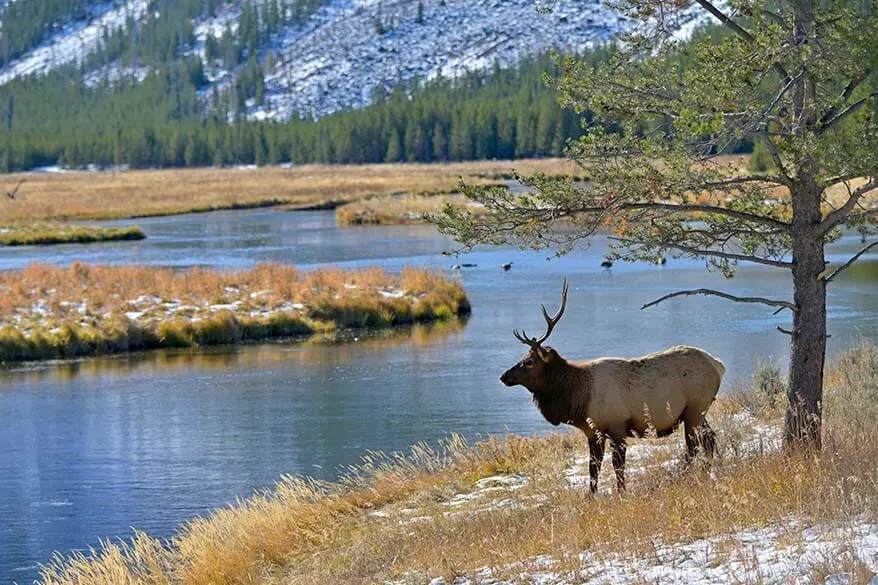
{"type": "Point", "coordinates": [614, 398]}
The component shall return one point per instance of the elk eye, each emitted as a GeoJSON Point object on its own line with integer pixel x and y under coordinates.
{"type": "Point", "coordinates": [528, 363]}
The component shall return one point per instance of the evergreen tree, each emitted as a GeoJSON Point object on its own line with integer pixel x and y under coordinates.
{"type": "Point", "coordinates": [394, 147]}
{"type": "Point", "coordinates": [772, 78]}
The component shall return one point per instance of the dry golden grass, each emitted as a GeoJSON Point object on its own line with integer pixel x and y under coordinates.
{"type": "Point", "coordinates": [55, 233]}
{"type": "Point", "coordinates": [83, 195]}
{"type": "Point", "coordinates": [48, 312]}
{"type": "Point", "coordinates": [394, 210]}
{"type": "Point", "coordinates": [428, 514]}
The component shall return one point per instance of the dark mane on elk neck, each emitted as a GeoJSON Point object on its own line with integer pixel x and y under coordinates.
{"type": "Point", "coordinates": [564, 398]}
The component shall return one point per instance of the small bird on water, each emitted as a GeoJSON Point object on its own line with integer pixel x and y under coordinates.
{"type": "Point", "coordinates": [506, 266]}
{"type": "Point", "coordinates": [606, 264]}
{"type": "Point", "coordinates": [11, 194]}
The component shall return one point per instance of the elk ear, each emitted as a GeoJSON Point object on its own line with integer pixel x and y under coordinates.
{"type": "Point", "coordinates": [548, 354]}
{"type": "Point", "coordinates": [543, 354]}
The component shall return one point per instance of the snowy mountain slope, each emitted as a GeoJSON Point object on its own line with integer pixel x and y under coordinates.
{"type": "Point", "coordinates": [75, 40]}
{"type": "Point", "coordinates": [339, 60]}
{"type": "Point", "coordinates": [338, 57]}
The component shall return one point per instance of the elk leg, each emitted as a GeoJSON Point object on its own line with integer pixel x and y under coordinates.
{"type": "Point", "coordinates": [691, 444]}
{"type": "Point", "coordinates": [699, 437]}
{"type": "Point", "coordinates": [619, 449]}
{"type": "Point", "coordinates": [707, 439]}
{"type": "Point", "coordinates": [595, 458]}
{"type": "Point", "coordinates": [692, 424]}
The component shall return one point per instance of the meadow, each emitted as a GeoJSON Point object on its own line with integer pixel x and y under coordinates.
{"type": "Point", "coordinates": [51, 312]}
{"type": "Point", "coordinates": [516, 509]}
{"type": "Point", "coordinates": [141, 193]}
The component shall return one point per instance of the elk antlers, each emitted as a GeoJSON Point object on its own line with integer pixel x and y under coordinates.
{"type": "Point", "coordinates": [550, 322]}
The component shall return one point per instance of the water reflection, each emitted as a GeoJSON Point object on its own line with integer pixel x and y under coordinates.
{"type": "Point", "coordinates": [299, 352]}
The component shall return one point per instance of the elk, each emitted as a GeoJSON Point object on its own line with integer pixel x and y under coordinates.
{"type": "Point", "coordinates": [615, 398]}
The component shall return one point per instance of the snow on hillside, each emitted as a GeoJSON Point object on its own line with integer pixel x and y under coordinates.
{"type": "Point", "coordinates": [349, 48]}
{"type": "Point", "coordinates": [340, 57]}
{"type": "Point", "coordinates": [75, 40]}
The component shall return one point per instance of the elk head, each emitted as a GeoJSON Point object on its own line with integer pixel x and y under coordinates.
{"type": "Point", "coordinates": [530, 371]}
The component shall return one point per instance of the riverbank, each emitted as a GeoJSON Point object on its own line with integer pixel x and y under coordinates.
{"type": "Point", "coordinates": [49, 312]}
{"type": "Point", "coordinates": [517, 510]}
{"type": "Point", "coordinates": [85, 195]}
{"type": "Point", "coordinates": [55, 233]}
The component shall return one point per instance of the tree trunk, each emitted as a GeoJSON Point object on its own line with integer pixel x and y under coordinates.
{"type": "Point", "coordinates": [802, 427]}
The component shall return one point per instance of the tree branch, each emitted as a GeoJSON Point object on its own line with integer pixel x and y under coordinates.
{"type": "Point", "coordinates": [848, 111]}
{"type": "Point", "coordinates": [727, 296]}
{"type": "Point", "coordinates": [861, 215]}
{"type": "Point", "coordinates": [839, 215]}
{"type": "Point", "coordinates": [847, 264]}
{"type": "Point", "coordinates": [777, 180]}
{"type": "Point", "coordinates": [684, 208]}
{"type": "Point", "coordinates": [845, 95]}
{"type": "Point", "coordinates": [713, 253]}
{"type": "Point", "coordinates": [783, 92]}
{"type": "Point", "coordinates": [736, 28]}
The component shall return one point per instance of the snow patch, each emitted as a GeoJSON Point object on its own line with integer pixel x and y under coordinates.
{"type": "Point", "coordinates": [75, 41]}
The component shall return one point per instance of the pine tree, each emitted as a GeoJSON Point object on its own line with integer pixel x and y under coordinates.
{"type": "Point", "coordinates": [440, 143]}
{"type": "Point", "coordinates": [773, 78]}
{"type": "Point", "coordinates": [394, 147]}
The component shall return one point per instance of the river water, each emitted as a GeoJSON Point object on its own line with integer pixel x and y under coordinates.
{"type": "Point", "coordinates": [91, 448]}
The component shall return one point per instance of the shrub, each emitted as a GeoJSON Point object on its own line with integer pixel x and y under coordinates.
{"type": "Point", "coordinates": [760, 160]}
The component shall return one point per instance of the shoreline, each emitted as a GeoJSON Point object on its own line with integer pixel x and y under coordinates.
{"type": "Point", "coordinates": [515, 509]}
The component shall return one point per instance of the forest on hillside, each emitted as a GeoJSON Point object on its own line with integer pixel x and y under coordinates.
{"type": "Point", "coordinates": [162, 121]}
{"type": "Point", "coordinates": [142, 99]}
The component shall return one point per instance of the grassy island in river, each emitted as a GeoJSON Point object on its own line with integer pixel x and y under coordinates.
{"type": "Point", "coordinates": [50, 312]}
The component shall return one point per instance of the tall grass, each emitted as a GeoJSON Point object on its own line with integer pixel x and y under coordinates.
{"type": "Point", "coordinates": [88, 195]}
{"type": "Point", "coordinates": [52, 312]}
{"type": "Point", "coordinates": [43, 234]}
{"type": "Point", "coordinates": [404, 518]}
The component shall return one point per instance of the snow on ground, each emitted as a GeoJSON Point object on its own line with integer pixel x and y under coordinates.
{"type": "Point", "coordinates": [74, 41]}
{"type": "Point", "coordinates": [781, 554]}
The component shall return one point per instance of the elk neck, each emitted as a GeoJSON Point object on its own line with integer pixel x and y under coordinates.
{"type": "Point", "coordinates": [564, 394]}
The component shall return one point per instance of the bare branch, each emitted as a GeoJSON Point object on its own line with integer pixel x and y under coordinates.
{"type": "Point", "coordinates": [11, 194]}
{"type": "Point", "coordinates": [790, 333]}
{"type": "Point", "coordinates": [713, 253]}
{"type": "Point", "coordinates": [685, 208]}
{"type": "Point", "coordinates": [777, 180]}
{"type": "Point", "coordinates": [848, 111]}
{"type": "Point", "coordinates": [783, 92]}
{"type": "Point", "coordinates": [860, 215]}
{"type": "Point", "coordinates": [845, 95]}
{"type": "Point", "coordinates": [839, 215]}
{"type": "Point", "coordinates": [727, 296]}
{"type": "Point", "coordinates": [847, 264]}
{"type": "Point", "coordinates": [736, 28]}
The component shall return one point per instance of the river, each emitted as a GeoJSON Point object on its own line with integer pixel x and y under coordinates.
{"type": "Point", "coordinates": [91, 448]}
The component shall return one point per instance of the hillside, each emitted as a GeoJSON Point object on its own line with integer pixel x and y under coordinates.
{"type": "Point", "coordinates": [313, 57]}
